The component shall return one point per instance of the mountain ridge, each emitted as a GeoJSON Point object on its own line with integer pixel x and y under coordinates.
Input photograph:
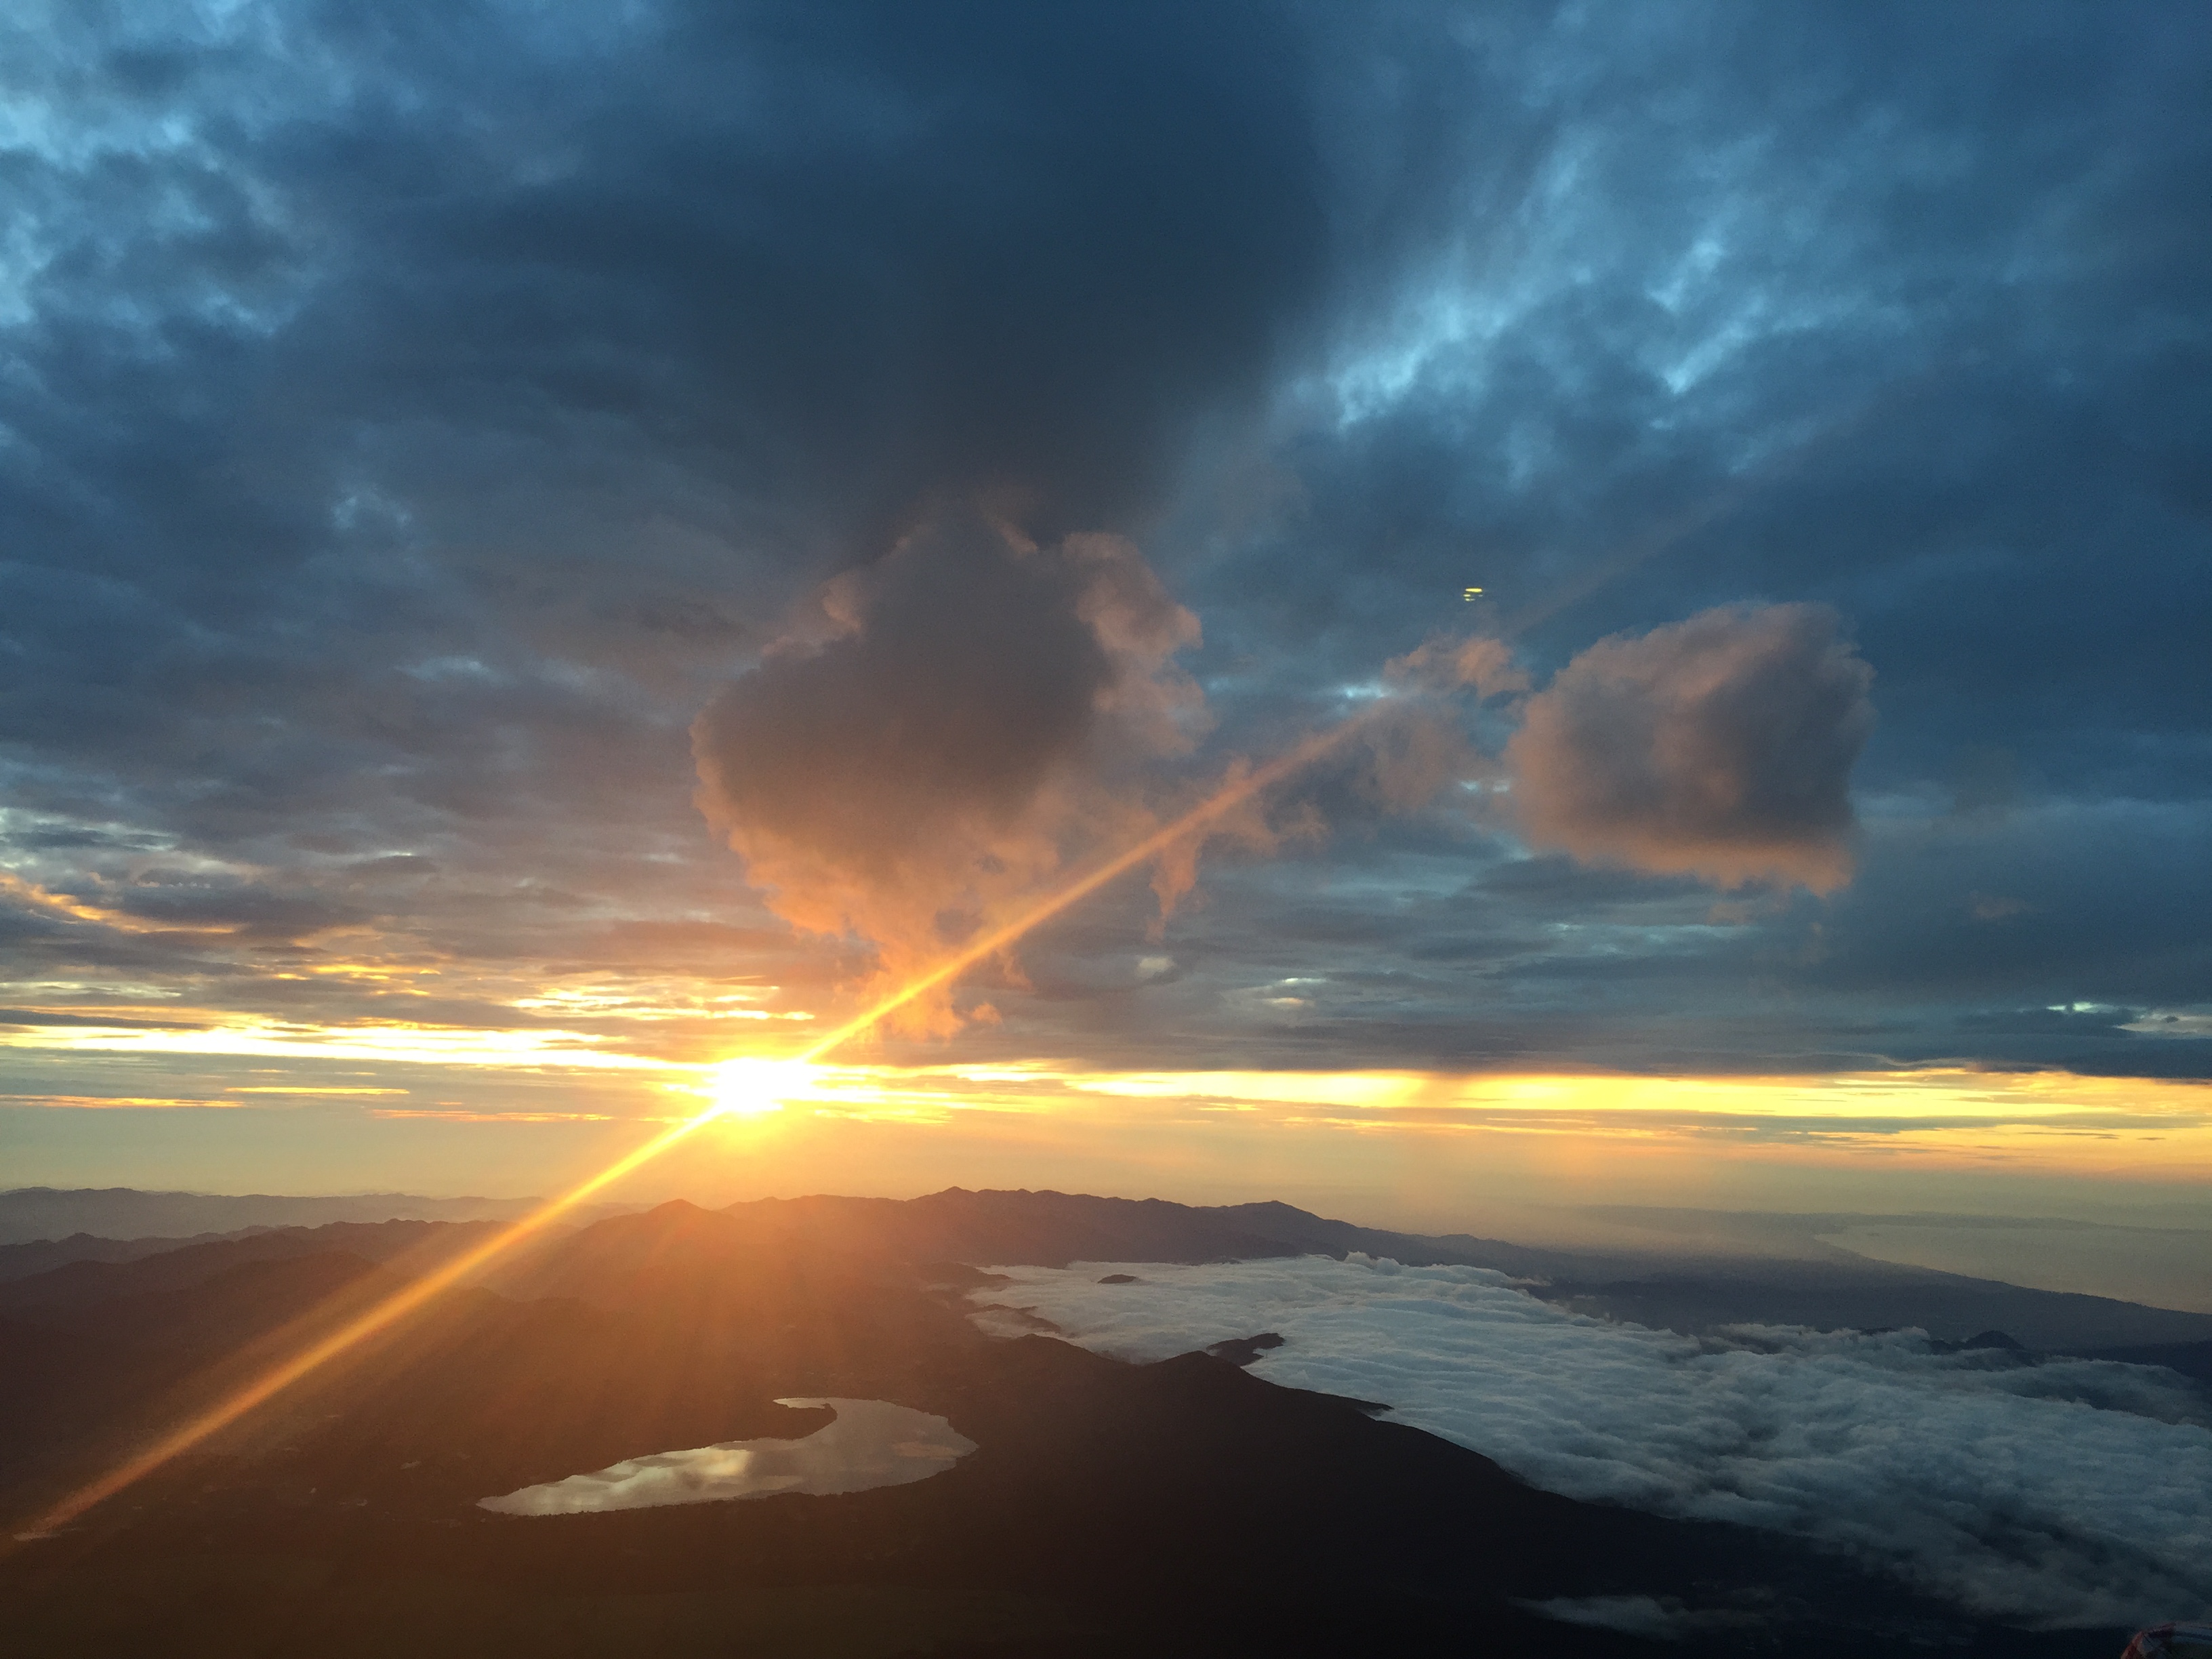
{"type": "Point", "coordinates": [978, 1228]}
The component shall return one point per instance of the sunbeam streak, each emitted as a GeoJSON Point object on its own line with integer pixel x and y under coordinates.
{"type": "Point", "coordinates": [382, 1316]}
{"type": "Point", "coordinates": [746, 1091]}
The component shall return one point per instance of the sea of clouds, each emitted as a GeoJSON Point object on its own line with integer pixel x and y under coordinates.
{"type": "Point", "coordinates": [869, 1444]}
{"type": "Point", "coordinates": [2067, 1491]}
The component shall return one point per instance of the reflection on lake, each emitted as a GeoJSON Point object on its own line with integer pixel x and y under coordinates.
{"type": "Point", "coordinates": [872, 1443]}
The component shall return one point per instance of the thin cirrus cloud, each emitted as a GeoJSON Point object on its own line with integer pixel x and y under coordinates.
{"type": "Point", "coordinates": [2071, 1491]}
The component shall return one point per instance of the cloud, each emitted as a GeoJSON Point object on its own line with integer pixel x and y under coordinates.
{"type": "Point", "coordinates": [978, 701]}
{"type": "Point", "coordinates": [410, 431]}
{"type": "Point", "coordinates": [1720, 747]}
{"type": "Point", "coordinates": [1448, 664]}
{"type": "Point", "coordinates": [2068, 1491]}
{"type": "Point", "coordinates": [401, 1112]}
{"type": "Point", "coordinates": [117, 1102]}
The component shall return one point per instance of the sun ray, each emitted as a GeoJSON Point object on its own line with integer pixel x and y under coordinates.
{"type": "Point", "coordinates": [384, 1314]}
{"type": "Point", "coordinates": [747, 1090]}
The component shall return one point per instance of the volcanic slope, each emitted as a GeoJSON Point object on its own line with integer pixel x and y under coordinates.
{"type": "Point", "coordinates": [1181, 1507]}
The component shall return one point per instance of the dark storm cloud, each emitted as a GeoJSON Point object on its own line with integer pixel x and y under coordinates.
{"type": "Point", "coordinates": [841, 259]}
{"type": "Point", "coordinates": [519, 307]}
{"type": "Point", "coordinates": [966, 677]}
{"type": "Point", "coordinates": [415, 419]}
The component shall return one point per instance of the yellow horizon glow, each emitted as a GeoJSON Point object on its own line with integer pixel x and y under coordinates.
{"type": "Point", "coordinates": [1935, 1116]}
{"type": "Point", "coordinates": [438, 1045]}
{"type": "Point", "coordinates": [1905, 1093]}
{"type": "Point", "coordinates": [2058, 1119]}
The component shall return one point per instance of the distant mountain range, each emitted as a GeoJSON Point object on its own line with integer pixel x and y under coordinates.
{"type": "Point", "coordinates": [1685, 1291]}
{"type": "Point", "coordinates": [28, 1213]}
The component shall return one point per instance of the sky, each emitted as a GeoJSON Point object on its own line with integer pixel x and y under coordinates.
{"type": "Point", "coordinates": [549, 548]}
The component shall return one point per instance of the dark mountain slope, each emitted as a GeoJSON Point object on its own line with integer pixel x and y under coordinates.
{"type": "Point", "coordinates": [1184, 1508]}
{"type": "Point", "coordinates": [125, 1213]}
{"type": "Point", "coordinates": [44, 1254]}
{"type": "Point", "coordinates": [410, 1246]}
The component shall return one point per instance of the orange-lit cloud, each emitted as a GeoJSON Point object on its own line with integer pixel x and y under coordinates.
{"type": "Point", "coordinates": [64, 908]}
{"type": "Point", "coordinates": [121, 1103]}
{"type": "Point", "coordinates": [964, 717]}
{"type": "Point", "coordinates": [457, 1116]}
{"type": "Point", "coordinates": [1483, 662]}
{"type": "Point", "coordinates": [311, 1091]}
{"type": "Point", "coordinates": [440, 1045]}
{"type": "Point", "coordinates": [1719, 747]}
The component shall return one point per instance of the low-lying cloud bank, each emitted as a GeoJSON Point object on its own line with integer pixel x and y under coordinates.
{"type": "Point", "coordinates": [2072, 1491]}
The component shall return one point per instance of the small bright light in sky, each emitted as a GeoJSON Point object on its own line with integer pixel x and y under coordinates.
{"type": "Point", "coordinates": [753, 1088]}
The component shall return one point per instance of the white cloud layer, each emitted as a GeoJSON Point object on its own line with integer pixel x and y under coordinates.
{"type": "Point", "coordinates": [2073, 1492]}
